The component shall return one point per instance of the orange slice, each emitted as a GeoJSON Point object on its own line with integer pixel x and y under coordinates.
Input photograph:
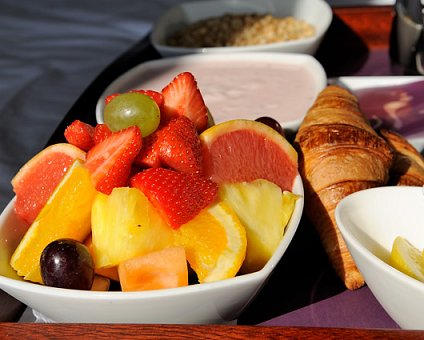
{"type": "Point", "coordinates": [243, 150]}
{"type": "Point", "coordinates": [215, 243]}
{"type": "Point", "coordinates": [65, 215]}
{"type": "Point", "coordinates": [36, 180]}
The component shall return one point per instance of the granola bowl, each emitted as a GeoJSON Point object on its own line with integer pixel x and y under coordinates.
{"type": "Point", "coordinates": [310, 20]}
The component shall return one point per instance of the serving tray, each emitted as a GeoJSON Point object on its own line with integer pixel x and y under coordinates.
{"type": "Point", "coordinates": [303, 290]}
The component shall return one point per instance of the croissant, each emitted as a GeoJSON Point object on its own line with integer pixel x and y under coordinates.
{"type": "Point", "coordinates": [408, 164]}
{"type": "Point", "coordinates": [339, 154]}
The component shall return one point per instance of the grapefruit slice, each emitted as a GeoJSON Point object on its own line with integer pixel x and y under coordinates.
{"type": "Point", "coordinates": [243, 150]}
{"type": "Point", "coordinates": [36, 180]}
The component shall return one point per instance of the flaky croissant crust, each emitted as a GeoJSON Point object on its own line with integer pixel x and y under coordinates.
{"type": "Point", "coordinates": [339, 154]}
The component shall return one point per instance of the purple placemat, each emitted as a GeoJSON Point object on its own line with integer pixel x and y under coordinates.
{"type": "Point", "coordinates": [349, 309]}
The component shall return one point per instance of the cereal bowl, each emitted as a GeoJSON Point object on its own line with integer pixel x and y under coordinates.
{"type": "Point", "coordinates": [369, 221]}
{"type": "Point", "coordinates": [314, 12]}
{"type": "Point", "coordinates": [215, 302]}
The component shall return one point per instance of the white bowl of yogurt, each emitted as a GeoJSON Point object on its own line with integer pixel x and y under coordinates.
{"type": "Point", "coordinates": [235, 85]}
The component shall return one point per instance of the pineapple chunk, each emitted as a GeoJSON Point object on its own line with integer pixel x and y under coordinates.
{"type": "Point", "coordinates": [264, 210]}
{"type": "Point", "coordinates": [125, 225]}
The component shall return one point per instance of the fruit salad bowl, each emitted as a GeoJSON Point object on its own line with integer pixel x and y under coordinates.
{"type": "Point", "coordinates": [370, 222]}
{"type": "Point", "coordinates": [205, 303]}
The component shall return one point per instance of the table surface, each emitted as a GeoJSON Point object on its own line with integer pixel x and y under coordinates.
{"type": "Point", "coordinates": [358, 36]}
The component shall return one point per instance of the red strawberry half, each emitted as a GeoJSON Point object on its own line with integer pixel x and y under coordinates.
{"type": "Point", "coordinates": [80, 134]}
{"type": "Point", "coordinates": [176, 145]}
{"type": "Point", "coordinates": [156, 96]}
{"type": "Point", "coordinates": [183, 98]}
{"type": "Point", "coordinates": [180, 147]}
{"type": "Point", "coordinates": [178, 196]}
{"type": "Point", "coordinates": [149, 157]}
{"type": "Point", "coordinates": [101, 132]}
{"type": "Point", "coordinates": [110, 161]}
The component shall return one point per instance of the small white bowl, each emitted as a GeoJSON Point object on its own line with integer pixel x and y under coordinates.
{"type": "Point", "coordinates": [215, 302]}
{"type": "Point", "coordinates": [369, 221]}
{"type": "Point", "coordinates": [236, 85]}
{"type": "Point", "coordinates": [316, 12]}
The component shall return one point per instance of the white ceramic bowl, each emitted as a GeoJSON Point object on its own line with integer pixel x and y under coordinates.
{"type": "Point", "coordinates": [236, 85]}
{"type": "Point", "coordinates": [216, 302]}
{"type": "Point", "coordinates": [369, 221]}
{"type": "Point", "coordinates": [316, 12]}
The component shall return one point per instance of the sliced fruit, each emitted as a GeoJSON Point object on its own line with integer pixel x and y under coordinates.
{"type": "Point", "coordinates": [109, 272]}
{"type": "Point", "coordinates": [65, 215]}
{"type": "Point", "coordinates": [180, 146]}
{"type": "Point", "coordinates": [125, 225]}
{"type": "Point", "coordinates": [101, 132]}
{"type": "Point", "coordinates": [132, 109]}
{"type": "Point", "coordinates": [183, 97]}
{"type": "Point", "coordinates": [175, 145]}
{"type": "Point", "coordinates": [100, 284]}
{"type": "Point", "coordinates": [80, 134]}
{"type": "Point", "coordinates": [406, 258]}
{"type": "Point", "coordinates": [165, 268]}
{"type": "Point", "coordinates": [215, 243]}
{"type": "Point", "coordinates": [110, 161]}
{"type": "Point", "coordinates": [178, 196]}
{"type": "Point", "coordinates": [264, 210]}
{"type": "Point", "coordinates": [156, 96]}
{"type": "Point", "coordinates": [244, 150]}
{"type": "Point", "coordinates": [37, 179]}
{"type": "Point", "coordinates": [149, 157]}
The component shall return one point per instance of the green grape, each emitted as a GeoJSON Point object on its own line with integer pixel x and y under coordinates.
{"type": "Point", "coordinates": [130, 109]}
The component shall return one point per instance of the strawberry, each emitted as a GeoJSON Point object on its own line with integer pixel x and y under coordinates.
{"type": "Point", "coordinates": [101, 132]}
{"type": "Point", "coordinates": [180, 146]}
{"type": "Point", "coordinates": [176, 145]}
{"type": "Point", "coordinates": [149, 157]}
{"type": "Point", "coordinates": [178, 196]}
{"type": "Point", "coordinates": [80, 134]}
{"type": "Point", "coordinates": [182, 97]}
{"type": "Point", "coordinates": [110, 161]}
{"type": "Point", "coordinates": [109, 98]}
{"type": "Point", "coordinates": [156, 96]}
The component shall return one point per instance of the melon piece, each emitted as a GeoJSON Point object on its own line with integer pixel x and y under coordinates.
{"type": "Point", "coordinates": [243, 150]}
{"type": "Point", "coordinates": [100, 284]}
{"type": "Point", "coordinates": [166, 268]}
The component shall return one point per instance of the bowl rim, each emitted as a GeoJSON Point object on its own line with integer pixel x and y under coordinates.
{"type": "Point", "coordinates": [258, 277]}
{"type": "Point", "coordinates": [160, 23]}
{"type": "Point", "coordinates": [353, 242]}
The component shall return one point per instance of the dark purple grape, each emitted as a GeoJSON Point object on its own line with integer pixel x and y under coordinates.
{"type": "Point", "coordinates": [272, 123]}
{"type": "Point", "coordinates": [66, 263]}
